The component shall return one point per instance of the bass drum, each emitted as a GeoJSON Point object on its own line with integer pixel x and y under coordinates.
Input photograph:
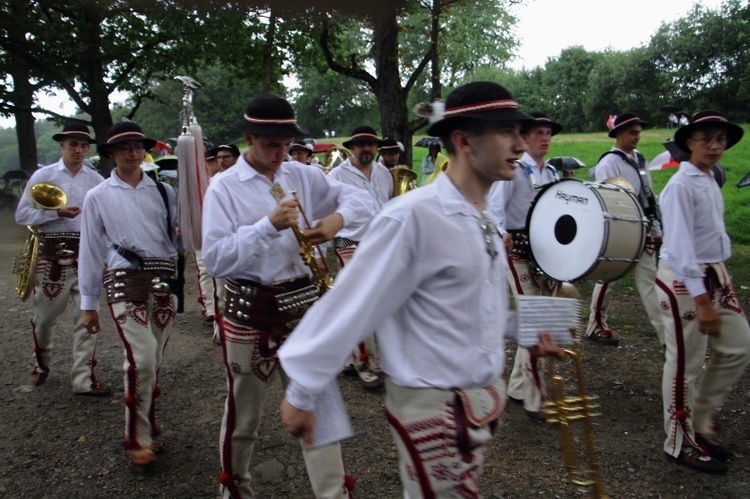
{"type": "Point", "coordinates": [585, 231]}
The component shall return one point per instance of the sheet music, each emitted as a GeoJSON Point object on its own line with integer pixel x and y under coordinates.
{"type": "Point", "coordinates": [331, 420]}
{"type": "Point", "coordinates": [548, 314]}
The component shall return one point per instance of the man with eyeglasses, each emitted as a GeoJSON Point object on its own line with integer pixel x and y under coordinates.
{"type": "Point", "coordinates": [128, 226]}
{"type": "Point", "coordinates": [509, 204]}
{"type": "Point", "coordinates": [226, 155]}
{"type": "Point", "coordinates": [624, 161]}
{"type": "Point", "coordinates": [56, 277]}
{"type": "Point", "coordinates": [699, 306]}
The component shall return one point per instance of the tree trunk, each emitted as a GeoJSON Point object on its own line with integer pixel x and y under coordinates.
{"type": "Point", "coordinates": [268, 53]}
{"type": "Point", "coordinates": [391, 97]}
{"type": "Point", "coordinates": [23, 99]}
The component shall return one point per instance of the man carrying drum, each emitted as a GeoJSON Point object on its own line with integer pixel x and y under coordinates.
{"type": "Point", "coordinates": [624, 161]}
{"type": "Point", "coordinates": [509, 203]}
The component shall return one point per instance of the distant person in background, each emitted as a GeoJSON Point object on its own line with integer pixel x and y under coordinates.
{"type": "Point", "coordinates": [440, 164]}
{"type": "Point", "coordinates": [699, 306]}
{"type": "Point", "coordinates": [226, 155]}
{"type": "Point", "coordinates": [390, 150]}
{"type": "Point", "coordinates": [56, 277]}
{"type": "Point", "coordinates": [302, 152]}
{"type": "Point", "coordinates": [428, 162]}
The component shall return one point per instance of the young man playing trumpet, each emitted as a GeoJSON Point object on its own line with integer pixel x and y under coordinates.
{"type": "Point", "coordinates": [251, 236]}
{"type": "Point", "coordinates": [56, 277]}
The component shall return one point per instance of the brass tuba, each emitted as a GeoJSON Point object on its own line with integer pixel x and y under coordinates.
{"type": "Point", "coordinates": [404, 179]}
{"type": "Point", "coordinates": [334, 157]}
{"type": "Point", "coordinates": [46, 197]}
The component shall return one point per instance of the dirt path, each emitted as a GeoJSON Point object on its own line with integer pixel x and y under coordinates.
{"type": "Point", "coordinates": [58, 445]}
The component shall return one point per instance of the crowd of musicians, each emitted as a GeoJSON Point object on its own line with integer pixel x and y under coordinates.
{"type": "Point", "coordinates": [423, 283]}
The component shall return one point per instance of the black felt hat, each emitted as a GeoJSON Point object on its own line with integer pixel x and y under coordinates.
{"type": "Point", "coordinates": [74, 131]}
{"type": "Point", "coordinates": [123, 132]}
{"type": "Point", "coordinates": [704, 119]}
{"type": "Point", "coordinates": [390, 145]}
{"type": "Point", "coordinates": [623, 121]}
{"type": "Point", "coordinates": [480, 100]}
{"type": "Point", "coordinates": [269, 115]}
{"type": "Point", "coordinates": [541, 119]}
{"type": "Point", "coordinates": [363, 133]}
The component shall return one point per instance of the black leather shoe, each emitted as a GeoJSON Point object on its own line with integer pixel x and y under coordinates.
{"type": "Point", "coordinates": [717, 451]}
{"type": "Point", "coordinates": [694, 459]}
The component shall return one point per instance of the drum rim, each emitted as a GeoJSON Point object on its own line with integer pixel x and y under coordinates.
{"type": "Point", "coordinates": [582, 276]}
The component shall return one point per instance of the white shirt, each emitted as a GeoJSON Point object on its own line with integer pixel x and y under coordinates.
{"type": "Point", "coordinates": [239, 240]}
{"type": "Point", "coordinates": [613, 165]}
{"type": "Point", "coordinates": [692, 208]}
{"type": "Point", "coordinates": [379, 187]}
{"type": "Point", "coordinates": [133, 218]}
{"type": "Point", "coordinates": [439, 320]}
{"type": "Point", "coordinates": [509, 201]}
{"type": "Point", "coordinates": [75, 188]}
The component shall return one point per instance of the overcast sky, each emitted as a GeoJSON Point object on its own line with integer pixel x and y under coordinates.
{"type": "Point", "coordinates": [546, 27]}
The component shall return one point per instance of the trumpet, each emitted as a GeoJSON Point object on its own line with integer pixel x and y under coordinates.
{"type": "Point", "coordinates": [321, 273]}
{"type": "Point", "coordinates": [563, 410]}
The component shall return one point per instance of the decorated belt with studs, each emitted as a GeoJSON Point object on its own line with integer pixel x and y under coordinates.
{"type": "Point", "coordinates": [61, 247]}
{"type": "Point", "coordinates": [132, 285]}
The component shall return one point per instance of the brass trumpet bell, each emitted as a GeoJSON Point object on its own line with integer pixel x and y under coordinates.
{"type": "Point", "coordinates": [47, 196]}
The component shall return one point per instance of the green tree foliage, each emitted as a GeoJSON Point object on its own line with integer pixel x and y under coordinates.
{"type": "Point", "coordinates": [707, 55]}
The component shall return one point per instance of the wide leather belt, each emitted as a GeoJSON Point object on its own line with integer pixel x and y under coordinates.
{"type": "Point", "coordinates": [59, 246]}
{"type": "Point", "coordinates": [521, 247]}
{"type": "Point", "coordinates": [132, 285]}
{"type": "Point", "coordinates": [277, 308]}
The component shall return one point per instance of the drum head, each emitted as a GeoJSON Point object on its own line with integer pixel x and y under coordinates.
{"type": "Point", "coordinates": [567, 229]}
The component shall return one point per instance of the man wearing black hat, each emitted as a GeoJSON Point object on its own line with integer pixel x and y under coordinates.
{"type": "Point", "coordinates": [362, 171]}
{"type": "Point", "coordinates": [56, 278]}
{"type": "Point", "coordinates": [390, 150]}
{"type": "Point", "coordinates": [699, 306]}
{"type": "Point", "coordinates": [226, 155]}
{"type": "Point", "coordinates": [223, 157]}
{"type": "Point", "coordinates": [440, 321]}
{"type": "Point", "coordinates": [624, 161]}
{"type": "Point", "coordinates": [510, 203]}
{"type": "Point", "coordinates": [127, 227]}
{"type": "Point", "coordinates": [252, 236]}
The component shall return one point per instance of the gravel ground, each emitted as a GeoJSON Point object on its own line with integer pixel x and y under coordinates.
{"type": "Point", "coordinates": [59, 445]}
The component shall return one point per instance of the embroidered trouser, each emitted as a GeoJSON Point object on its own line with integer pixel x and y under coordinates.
{"type": "Point", "coordinates": [644, 274]}
{"type": "Point", "coordinates": [690, 402]}
{"type": "Point", "coordinates": [250, 361]}
{"type": "Point", "coordinates": [54, 285]}
{"type": "Point", "coordinates": [527, 380]}
{"type": "Point", "coordinates": [144, 329]}
{"type": "Point", "coordinates": [441, 455]}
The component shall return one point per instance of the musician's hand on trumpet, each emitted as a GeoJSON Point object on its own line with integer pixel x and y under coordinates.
{"type": "Point", "coordinates": [325, 229]}
{"type": "Point", "coordinates": [69, 211]}
{"type": "Point", "coordinates": [285, 215]}
{"type": "Point", "coordinates": [546, 347]}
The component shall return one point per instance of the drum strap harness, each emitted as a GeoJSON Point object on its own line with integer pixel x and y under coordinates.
{"type": "Point", "coordinates": [530, 171]}
{"type": "Point", "coordinates": [645, 194]}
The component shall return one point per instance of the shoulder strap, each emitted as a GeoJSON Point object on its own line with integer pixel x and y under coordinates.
{"type": "Point", "coordinates": [163, 192]}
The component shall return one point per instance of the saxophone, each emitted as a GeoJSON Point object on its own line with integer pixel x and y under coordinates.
{"type": "Point", "coordinates": [321, 274]}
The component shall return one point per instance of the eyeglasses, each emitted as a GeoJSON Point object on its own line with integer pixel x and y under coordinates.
{"type": "Point", "coordinates": [129, 147]}
{"type": "Point", "coordinates": [229, 156]}
{"type": "Point", "coordinates": [706, 141]}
